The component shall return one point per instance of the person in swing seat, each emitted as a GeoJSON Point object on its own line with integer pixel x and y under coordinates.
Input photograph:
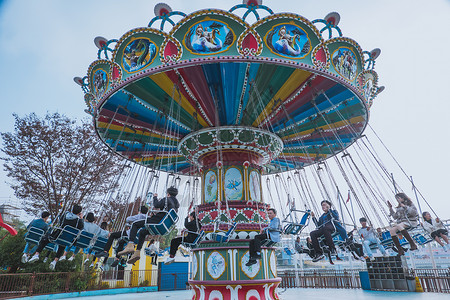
{"type": "Point", "coordinates": [326, 225]}
{"type": "Point", "coordinates": [405, 216]}
{"type": "Point", "coordinates": [436, 229]}
{"type": "Point", "coordinates": [164, 205]}
{"type": "Point", "coordinates": [369, 236]}
{"type": "Point", "coordinates": [74, 219]}
{"type": "Point", "coordinates": [40, 223]}
{"type": "Point", "coordinates": [271, 232]}
{"type": "Point", "coordinates": [192, 224]}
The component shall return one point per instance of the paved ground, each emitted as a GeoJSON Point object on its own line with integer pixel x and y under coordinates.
{"type": "Point", "coordinates": [316, 294]}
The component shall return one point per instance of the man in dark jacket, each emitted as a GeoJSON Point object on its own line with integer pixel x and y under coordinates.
{"type": "Point", "coordinates": [193, 226]}
{"type": "Point", "coordinates": [74, 219]}
{"type": "Point", "coordinates": [165, 205]}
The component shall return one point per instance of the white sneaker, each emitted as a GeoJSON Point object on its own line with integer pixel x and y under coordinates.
{"type": "Point", "coordinates": [169, 260]}
{"type": "Point", "coordinates": [52, 265]}
{"type": "Point", "coordinates": [62, 258]}
{"type": "Point", "coordinates": [24, 258]}
{"type": "Point", "coordinates": [34, 258]}
{"type": "Point", "coordinates": [91, 265]}
{"type": "Point", "coordinates": [445, 248]}
{"type": "Point", "coordinates": [45, 259]}
{"type": "Point", "coordinates": [86, 260]}
{"type": "Point", "coordinates": [71, 258]}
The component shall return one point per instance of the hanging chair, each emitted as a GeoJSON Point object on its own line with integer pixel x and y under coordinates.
{"type": "Point", "coordinates": [164, 226]}
{"type": "Point", "coordinates": [34, 235]}
{"type": "Point", "coordinates": [293, 226]}
{"type": "Point", "coordinates": [222, 236]}
{"type": "Point", "coordinates": [195, 243]}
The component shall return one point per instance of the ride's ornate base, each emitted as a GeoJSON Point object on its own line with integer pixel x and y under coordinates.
{"type": "Point", "coordinates": [219, 272]}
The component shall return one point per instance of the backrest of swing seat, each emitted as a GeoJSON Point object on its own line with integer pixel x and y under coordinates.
{"type": "Point", "coordinates": [99, 244]}
{"type": "Point", "coordinates": [421, 239]}
{"type": "Point", "coordinates": [231, 230]}
{"type": "Point", "coordinates": [305, 218]}
{"type": "Point", "coordinates": [166, 224]}
{"type": "Point", "coordinates": [386, 235]}
{"type": "Point", "coordinates": [67, 236]}
{"type": "Point", "coordinates": [84, 240]}
{"type": "Point", "coordinates": [292, 229]}
{"type": "Point", "coordinates": [51, 247]}
{"type": "Point", "coordinates": [34, 235]}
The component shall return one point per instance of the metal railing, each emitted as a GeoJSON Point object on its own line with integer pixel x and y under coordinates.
{"type": "Point", "coordinates": [320, 279]}
{"type": "Point", "coordinates": [27, 284]}
{"type": "Point", "coordinates": [433, 280]}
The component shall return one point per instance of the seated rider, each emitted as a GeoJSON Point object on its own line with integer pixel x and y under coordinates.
{"type": "Point", "coordinates": [142, 215]}
{"type": "Point", "coordinates": [74, 219]}
{"type": "Point", "coordinates": [165, 205]}
{"type": "Point", "coordinates": [192, 224]}
{"type": "Point", "coordinates": [40, 223]}
{"type": "Point", "coordinates": [436, 229]}
{"type": "Point", "coordinates": [405, 215]}
{"type": "Point", "coordinates": [309, 247]}
{"type": "Point", "coordinates": [369, 236]}
{"type": "Point", "coordinates": [325, 226]}
{"type": "Point", "coordinates": [271, 232]}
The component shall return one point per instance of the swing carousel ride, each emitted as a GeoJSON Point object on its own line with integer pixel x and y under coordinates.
{"type": "Point", "coordinates": [226, 101]}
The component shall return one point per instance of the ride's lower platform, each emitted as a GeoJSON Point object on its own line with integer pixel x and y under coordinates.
{"type": "Point", "coordinates": [219, 271]}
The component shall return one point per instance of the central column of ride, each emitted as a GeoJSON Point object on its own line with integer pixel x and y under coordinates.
{"type": "Point", "coordinates": [231, 160]}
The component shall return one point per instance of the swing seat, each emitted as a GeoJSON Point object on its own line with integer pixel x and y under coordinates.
{"type": "Point", "coordinates": [267, 243]}
{"type": "Point", "coordinates": [421, 239]}
{"type": "Point", "coordinates": [51, 247]}
{"type": "Point", "coordinates": [197, 240]}
{"type": "Point", "coordinates": [288, 251]}
{"type": "Point", "coordinates": [34, 235]}
{"type": "Point", "coordinates": [84, 240]}
{"type": "Point", "coordinates": [222, 236]}
{"type": "Point", "coordinates": [165, 225]}
{"type": "Point", "coordinates": [337, 239]}
{"type": "Point", "coordinates": [296, 228]}
{"type": "Point", "coordinates": [67, 236]}
{"type": "Point", "coordinates": [99, 245]}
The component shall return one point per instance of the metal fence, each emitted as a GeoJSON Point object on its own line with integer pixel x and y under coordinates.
{"type": "Point", "coordinates": [320, 279]}
{"type": "Point", "coordinates": [433, 280]}
{"type": "Point", "coordinates": [27, 284]}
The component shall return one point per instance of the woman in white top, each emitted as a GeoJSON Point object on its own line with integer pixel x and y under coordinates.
{"type": "Point", "coordinates": [436, 229]}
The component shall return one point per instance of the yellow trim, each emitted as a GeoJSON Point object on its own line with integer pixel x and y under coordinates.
{"type": "Point", "coordinates": [148, 63]}
{"type": "Point", "coordinates": [167, 85]}
{"type": "Point", "coordinates": [356, 62]}
{"type": "Point", "coordinates": [279, 54]}
{"type": "Point", "coordinates": [326, 127]}
{"type": "Point", "coordinates": [206, 19]}
{"type": "Point", "coordinates": [297, 78]}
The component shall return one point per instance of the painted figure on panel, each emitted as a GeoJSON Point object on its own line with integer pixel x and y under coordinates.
{"type": "Point", "coordinates": [138, 54]}
{"type": "Point", "coordinates": [209, 36]}
{"type": "Point", "coordinates": [288, 40]}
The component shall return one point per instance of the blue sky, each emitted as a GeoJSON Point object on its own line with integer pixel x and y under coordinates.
{"type": "Point", "coordinates": [44, 44]}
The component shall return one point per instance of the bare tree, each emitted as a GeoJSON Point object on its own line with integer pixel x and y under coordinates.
{"type": "Point", "coordinates": [54, 162]}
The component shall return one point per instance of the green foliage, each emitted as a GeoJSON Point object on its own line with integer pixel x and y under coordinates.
{"type": "Point", "coordinates": [144, 283]}
{"type": "Point", "coordinates": [165, 240]}
{"type": "Point", "coordinates": [11, 248]}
